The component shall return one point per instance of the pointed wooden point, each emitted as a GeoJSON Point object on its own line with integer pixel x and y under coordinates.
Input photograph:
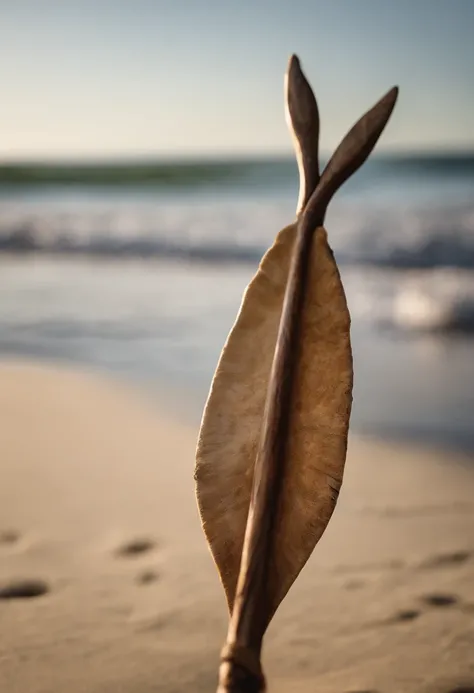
{"type": "Point", "coordinates": [302, 116]}
{"type": "Point", "coordinates": [349, 156]}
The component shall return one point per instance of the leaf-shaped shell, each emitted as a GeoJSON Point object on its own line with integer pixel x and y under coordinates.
{"type": "Point", "coordinates": [320, 411]}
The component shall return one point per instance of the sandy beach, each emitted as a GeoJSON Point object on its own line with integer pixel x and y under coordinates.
{"type": "Point", "coordinates": [107, 585]}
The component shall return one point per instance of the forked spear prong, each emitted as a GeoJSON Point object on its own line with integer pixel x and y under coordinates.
{"type": "Point", "coordinates": [240, 670]}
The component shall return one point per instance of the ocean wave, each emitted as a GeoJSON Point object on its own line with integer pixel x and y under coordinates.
{"type": "Point", "coordinates": [437, 302]}
{"type": "Point", "coordinates": [405, 237]}
{"type": "Point", "coordinates": [436, 252]}
{"type": "Point", "coordinates": [234, 229]}
{"type": "Point", "coordinates": [24, 241]}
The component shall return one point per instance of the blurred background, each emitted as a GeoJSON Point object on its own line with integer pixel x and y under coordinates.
{"type": "Point", "coordinates": [145, 167]}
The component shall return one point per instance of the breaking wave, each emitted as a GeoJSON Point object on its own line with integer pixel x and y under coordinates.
{"type": "Point", "coordinates": [410, 239]}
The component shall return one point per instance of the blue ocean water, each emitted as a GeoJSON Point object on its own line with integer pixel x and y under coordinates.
{"type": "Point", "coordinates": [138, 269]}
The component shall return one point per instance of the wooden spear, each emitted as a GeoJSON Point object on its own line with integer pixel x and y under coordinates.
{"type": "Point", "coordinates": [269, 465]}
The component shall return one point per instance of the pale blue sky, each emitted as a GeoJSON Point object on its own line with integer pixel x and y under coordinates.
{"type": "Point", "coordinates": [108, 78]}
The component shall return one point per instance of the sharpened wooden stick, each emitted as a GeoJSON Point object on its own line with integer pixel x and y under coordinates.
{"type": "Point", "coordinates": [302, 116]}
{"type": "Point", "coordinates": [249, 617]}
{"type": "Point", "coordinates": [240, 670]}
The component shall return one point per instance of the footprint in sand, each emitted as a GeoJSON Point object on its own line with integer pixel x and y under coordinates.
{"type": "Point", "coordinates": [23, 589]}
{"type": "Point", "coordinates": [436, 600]}
{"type": "Point", "coordinates": [440, 600]}
{"type": "Point", "coordinates": [354, 584]}
{"type": "Point", "coordinates": [135, 548]}
{"type": "Point", "coordinates": [401, 616]}
{"type": "Point", "coordinates": [147, 577]}
{"type": "Point", "coordinates": [9, 536]}
{"type": "Point", "coordinates": [446, 560]}
{"type": "Point", "coordinates": [404, 615]}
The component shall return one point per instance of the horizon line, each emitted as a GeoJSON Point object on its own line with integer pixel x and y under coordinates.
{"type": "Point", "coordinates": [164, 158]}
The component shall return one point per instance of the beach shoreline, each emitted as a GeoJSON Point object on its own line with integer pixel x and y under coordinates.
{"type": "Point", "coordinates": [98, 515]}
